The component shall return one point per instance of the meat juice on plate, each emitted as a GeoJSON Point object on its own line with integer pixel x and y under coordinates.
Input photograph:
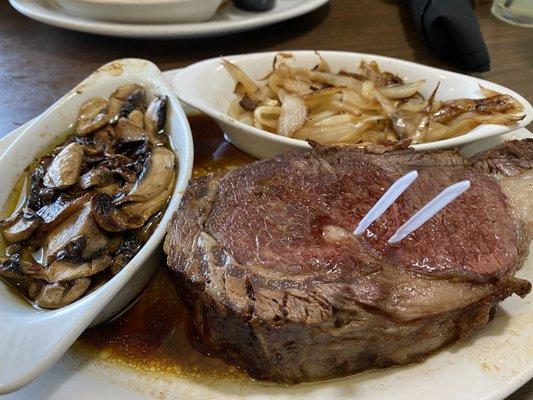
{"type": "Point", "coordinates": [152, 336]}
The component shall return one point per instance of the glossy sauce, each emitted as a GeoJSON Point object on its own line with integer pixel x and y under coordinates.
{"type": "Point", "coordinates": [15, 200]}
{"type": "Point", "coordinates": [151, 336]}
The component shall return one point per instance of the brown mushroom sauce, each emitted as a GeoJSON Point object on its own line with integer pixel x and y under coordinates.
{"type": "Point", "coordinates": [81, 212]}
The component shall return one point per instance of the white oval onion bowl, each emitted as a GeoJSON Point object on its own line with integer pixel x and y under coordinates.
{"type": "Point", "coordinates": [208, 87]}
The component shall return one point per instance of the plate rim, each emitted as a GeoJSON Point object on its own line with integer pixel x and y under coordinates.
{"type": "Point", "coordinates": [35, 10]}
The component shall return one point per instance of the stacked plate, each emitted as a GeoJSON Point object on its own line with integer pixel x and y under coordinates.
{"type": "Point", "coordinates": [158, 18]}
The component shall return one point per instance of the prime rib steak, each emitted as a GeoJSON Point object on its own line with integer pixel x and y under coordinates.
{"type": "Point", "coordinates": [277, 284]}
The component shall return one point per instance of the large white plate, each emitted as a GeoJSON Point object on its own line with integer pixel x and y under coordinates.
{"type": "Point", "coordinates": [489, 366]}
{"type": "Point", "coordinates": [228, 20]}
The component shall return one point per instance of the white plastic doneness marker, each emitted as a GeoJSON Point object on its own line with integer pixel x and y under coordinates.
{"type": "Point", "coordinates": [385, 201]}
{"type": "Point", "coordinates": [429, 210]}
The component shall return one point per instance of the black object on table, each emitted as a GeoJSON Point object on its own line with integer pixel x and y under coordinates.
{"type": "Point", "coordinates": [255, 5]}
{"type": "Point", "coordinates": [451, 30]}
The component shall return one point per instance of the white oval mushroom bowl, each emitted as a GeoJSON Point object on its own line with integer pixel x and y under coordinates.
{"type": "Point", "coordinates": [208, 87]}
{"type": "Point", "coordinates": [33, 338]}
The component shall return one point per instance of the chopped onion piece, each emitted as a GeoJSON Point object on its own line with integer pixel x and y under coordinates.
{"type": "Point", "coordinates": [488, 92]}
{"type": "Point", "coordinates": [402, 91]}
{"type": "Point", "coordinates": [293, 114]}
{"type": "Point", "coordinates": [322, 66]}
{"type": "Point", "coordinates": [250, 88]}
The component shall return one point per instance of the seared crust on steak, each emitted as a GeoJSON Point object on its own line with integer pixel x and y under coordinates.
{"type": "Point", "coordinates": [508, 159]}
{"type": "Point", "coordinates": [277, 284]}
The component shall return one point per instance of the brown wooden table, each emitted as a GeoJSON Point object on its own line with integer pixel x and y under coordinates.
{"type": "Point", "coordinates": [39, 63]}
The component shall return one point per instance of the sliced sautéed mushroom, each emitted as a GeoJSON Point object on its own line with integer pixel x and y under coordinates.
{"type": "Point", "coordinates": [88, 206]}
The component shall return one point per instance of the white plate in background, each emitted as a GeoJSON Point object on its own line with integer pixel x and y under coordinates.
{"type": "Point", "coordinates": [228, 20]}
